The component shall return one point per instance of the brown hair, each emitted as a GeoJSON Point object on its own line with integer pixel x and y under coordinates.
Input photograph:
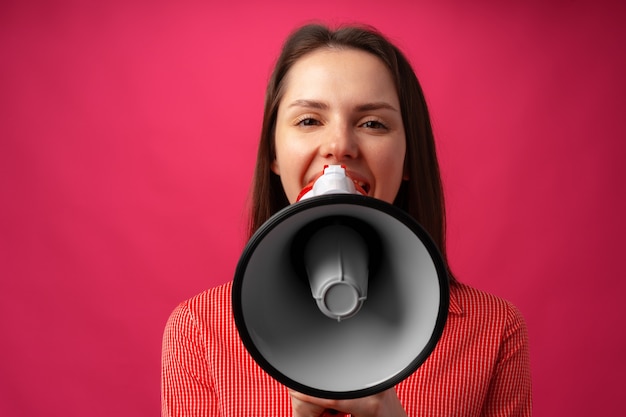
{"type": "Point", "coordinates": [422, 194]}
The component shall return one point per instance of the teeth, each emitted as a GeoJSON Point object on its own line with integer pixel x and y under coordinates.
{"type": "Point", "coordinates": [363, 185]}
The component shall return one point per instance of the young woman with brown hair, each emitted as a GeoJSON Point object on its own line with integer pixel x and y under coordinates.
{"type": "Point", "coordinates": [349, 97]}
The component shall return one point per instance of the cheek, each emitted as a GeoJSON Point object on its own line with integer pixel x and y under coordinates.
{"type": "Point", "coordinates": [292, 155]}
{"type": "Point", "coordinates": [390, 171]}
{"type": "Point", "coordinates": [287, 165]}
{"type": "Point", "coordinates": [392, 179]}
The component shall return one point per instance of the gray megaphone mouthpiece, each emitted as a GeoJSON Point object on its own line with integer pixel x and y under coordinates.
{"type": "Point", "coordinates": [336, 262]}
{"type": "Point", "coordinates": [336, 257]}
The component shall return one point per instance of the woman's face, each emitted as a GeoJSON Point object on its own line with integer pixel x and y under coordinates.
{"type": "Point", "coordinates": [340, 106]}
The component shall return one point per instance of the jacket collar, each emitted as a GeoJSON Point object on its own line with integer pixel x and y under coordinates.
{"type": "Point", "coordinates": [455, 305]}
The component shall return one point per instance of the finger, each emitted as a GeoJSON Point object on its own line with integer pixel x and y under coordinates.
{"type": "Point", "coordinates": [325, 406]}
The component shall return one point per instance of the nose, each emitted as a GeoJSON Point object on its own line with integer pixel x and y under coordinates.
{"type": "Point", "coordinates": [339, 144]}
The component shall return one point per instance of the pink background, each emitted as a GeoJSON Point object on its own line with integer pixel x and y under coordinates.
{"type": "Point", "coordinates": [128, 133]}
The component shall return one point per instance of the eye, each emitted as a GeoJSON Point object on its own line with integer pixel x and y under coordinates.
{"type": "Point", "coordinates": [374, 124]}
{"type": "Point", "coordinates": [307, 121]}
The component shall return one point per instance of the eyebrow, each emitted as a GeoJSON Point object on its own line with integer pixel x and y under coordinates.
{"type": "Point", "coordinates": [376, 106]}
{"type": "Point", "coordinates": [314, 104]}
{"type": "Point", "coordinates": [320, 105]}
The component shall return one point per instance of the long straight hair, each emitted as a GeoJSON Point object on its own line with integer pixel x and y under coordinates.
{"type": "Point", "coordinates": [422, 194]}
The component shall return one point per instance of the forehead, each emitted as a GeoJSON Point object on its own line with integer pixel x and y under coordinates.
{"type": "Point", "coordinates": [340, 73]}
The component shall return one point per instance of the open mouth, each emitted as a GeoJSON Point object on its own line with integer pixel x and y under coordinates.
{"type": "Point", "coordinates": [362, 187]}
{"type": "Point", "coordinates": [360, 183]}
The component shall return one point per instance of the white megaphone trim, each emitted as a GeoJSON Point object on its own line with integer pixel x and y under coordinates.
{"type": "Point", "coordinates": [332, 181]}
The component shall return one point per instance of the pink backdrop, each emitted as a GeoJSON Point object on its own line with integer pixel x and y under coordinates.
{"type": "Point", "coordinates": [128, 133]}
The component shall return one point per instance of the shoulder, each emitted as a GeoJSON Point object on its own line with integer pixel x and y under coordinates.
{"type": "Point", "coordinates": [483, 312]}
{"type": "Point", "coordinates": [203, 310]}
{"type": "Point", "coordinates": [216, 299]}
{"type": "Point", "coordinates": [467, 300]}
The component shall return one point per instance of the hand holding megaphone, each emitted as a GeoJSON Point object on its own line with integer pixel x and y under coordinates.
{"type": "Point", "coordinates": [385, 404]}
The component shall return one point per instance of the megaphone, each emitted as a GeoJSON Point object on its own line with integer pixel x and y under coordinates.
{"type": "Point", "coordinates": [340, 295]}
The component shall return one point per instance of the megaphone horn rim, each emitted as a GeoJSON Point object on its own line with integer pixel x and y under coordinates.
{"type": "Point", "coordinates": [330, 200]}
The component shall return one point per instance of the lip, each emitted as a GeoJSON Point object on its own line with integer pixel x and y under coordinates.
{"type": "Point", "coordinates": [360, 182]}
{"type": "Point", "coordinates": [312, 181]}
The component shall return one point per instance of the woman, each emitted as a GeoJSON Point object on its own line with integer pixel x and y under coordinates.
{"type": "Point", "coordinates": [349, 97]}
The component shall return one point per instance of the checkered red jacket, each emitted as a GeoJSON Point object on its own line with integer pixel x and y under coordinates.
{"type": "Point", "coordinates": [480, 366]}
